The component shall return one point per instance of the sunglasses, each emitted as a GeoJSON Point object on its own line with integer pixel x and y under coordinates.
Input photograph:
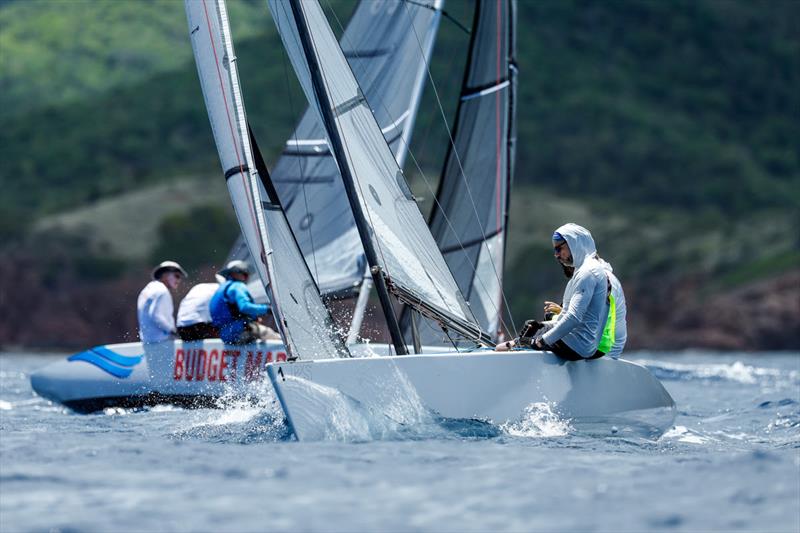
{"type": "Point", "coordinates": [557, 247]}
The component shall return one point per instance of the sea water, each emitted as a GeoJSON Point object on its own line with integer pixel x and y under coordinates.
{"type": "Point", "coordinates": [731, 462]}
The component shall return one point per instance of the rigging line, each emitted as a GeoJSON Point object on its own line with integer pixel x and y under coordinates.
{"type": "Point", "coordinates": [444, 13]}
{"type": "Point", "coordinates": [387, 168]}
{"type": "Point", "coordinates": [469, 191]}
{"type": "Point", "coordinates": [463, 176]}
{"type": "Point", "coordinates": [511, 28]}
{"type": "Point", "coordinates": [227, 114]}
{"type": "Point", "coordinates": [299, 164]}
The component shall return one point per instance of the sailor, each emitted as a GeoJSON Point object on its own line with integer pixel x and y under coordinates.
{"type": "Point", "coordinates": [615, 334]}
{"type": "Point", "coordinates": [233, 311]}
{"type": "Point", "coordinates": [154, 305]}
{"type": "Point", "coordinates": [577, 331]}
{"type": "Point", "coordinates": [194, 316]}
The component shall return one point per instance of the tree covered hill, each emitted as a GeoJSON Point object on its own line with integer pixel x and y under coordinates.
{"type": "Point", "coordinates": [687, 104]}
{"type": "Point", "coordinates": [669, 128]}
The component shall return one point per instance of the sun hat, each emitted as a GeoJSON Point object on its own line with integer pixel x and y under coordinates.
{"type": "Point", "coordinates": [168, 266]}
{"type": "Point", "coordinates": [235, 267]}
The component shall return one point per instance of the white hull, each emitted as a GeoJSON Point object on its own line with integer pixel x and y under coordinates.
{"type": "Point", "coordinates": [490, 386]}
{"type": "Point", "coordinates": [184, 373]}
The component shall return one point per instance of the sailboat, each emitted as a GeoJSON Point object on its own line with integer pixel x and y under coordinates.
{"type": "Point", "coordinates": [407, 264]}
{"type": "Point", "coordinates": [405, 261]}
{"type": "Point", "coordinates": [388, 49]}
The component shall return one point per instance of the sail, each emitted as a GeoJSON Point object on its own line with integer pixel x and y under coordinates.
{"type": "Point", "coordinates": [405, 252]}
{"type": "Point", "coordinates": [387, 45]}
{"type": "Point", "coordinates": [470, 215]}
{"type": "Point", "coordinates": [302, 318]}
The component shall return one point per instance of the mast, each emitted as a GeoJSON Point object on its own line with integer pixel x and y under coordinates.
{"type": "Point", "coordinates": [328, 117]}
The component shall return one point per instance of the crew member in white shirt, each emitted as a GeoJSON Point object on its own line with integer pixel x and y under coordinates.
{"type": "Point", "coordinates": [154, 306]}
{"type": "Point", "coordinates": [194, 316]}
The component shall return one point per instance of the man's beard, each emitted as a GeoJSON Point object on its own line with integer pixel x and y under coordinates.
{"type": "Point", "coordinates": [569, 271]}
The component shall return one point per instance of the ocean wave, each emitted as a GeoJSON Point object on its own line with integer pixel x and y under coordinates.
{"type": "Point", "coordinates": [684, 434]}
{"type": "Point", "coordinates": [737, 372]}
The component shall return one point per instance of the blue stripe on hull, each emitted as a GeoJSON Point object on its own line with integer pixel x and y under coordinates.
{"type": "Point", "coordinates": [119, 366]}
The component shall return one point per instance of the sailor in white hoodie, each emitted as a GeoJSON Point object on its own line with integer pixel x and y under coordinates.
{"type": "Point", "coordinates": [578, 329]}
{"type": "Point", "coordinates": [154, 305]}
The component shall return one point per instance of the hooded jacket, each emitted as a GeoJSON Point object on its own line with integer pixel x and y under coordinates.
{"type": "Point", "coordinates": [580, 325]}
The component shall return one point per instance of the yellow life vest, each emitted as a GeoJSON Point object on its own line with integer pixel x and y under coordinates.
{"type": "Point", "coordinates": [610, 331]}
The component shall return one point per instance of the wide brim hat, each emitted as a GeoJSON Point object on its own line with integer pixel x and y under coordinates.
{"type": "Point", "coordinates": [168, 266]}
{"type": "Point", "coordinates": [235, 267]}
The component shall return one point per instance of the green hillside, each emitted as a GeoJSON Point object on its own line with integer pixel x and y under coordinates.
{"type": "Point", "coordinates": [682, 104]}
{"type": "Point", "coordinates": [669, 128]}
{"type": "Point", "coordinates": [56, 52]}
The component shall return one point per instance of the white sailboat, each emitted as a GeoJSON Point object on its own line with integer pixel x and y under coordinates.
{"type": "Point", "coordinates": [388, 49]}
{"type": "Point", "coordinates": [406, 263]}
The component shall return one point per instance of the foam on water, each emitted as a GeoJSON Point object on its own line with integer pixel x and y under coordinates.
{"type": "Point", "coordinates": [254, 416]}
{"type": "Point", "coordinates": [538, 421]}
{"type": "Point", "coordinates": [683, 434]}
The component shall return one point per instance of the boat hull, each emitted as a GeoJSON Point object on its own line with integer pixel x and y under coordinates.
{"type": "Point", "coordinates": [489, 386]}
{"type": "Point", "coordinates": [189, 374]}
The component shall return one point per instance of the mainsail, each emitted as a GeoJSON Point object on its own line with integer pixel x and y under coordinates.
{"type": "Point", "coordinates": [469, 217]}
{"type": "Point", "coordinates": [304, 321]}
{"type": "Point", "coordinates": [387, 44]}
{"type": "Point", "coordinates": [397, 241]}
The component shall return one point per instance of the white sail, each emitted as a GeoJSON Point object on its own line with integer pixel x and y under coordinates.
{"type": "Point", "coordinates": [406, 253]}
{"type": "Point", "coordinates": [302, 318]}
{"type": "Point", "coordinates": [382, 46]}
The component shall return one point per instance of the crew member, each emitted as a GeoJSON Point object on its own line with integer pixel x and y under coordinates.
{"type": "Point", "coordinates": [233, 311]}
{"type": "Point", "coordinates": [194, 316]}
{"type": "Point", "coordinates": [154, 305]}
{"type": "Point", "coordinates": [615, 333]}
{"type": "Point", "coordinates": [578, 330]}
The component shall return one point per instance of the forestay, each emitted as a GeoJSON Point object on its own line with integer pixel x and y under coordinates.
{"type": "Point", "coordinates": [406, 252]}
{"type": "Point", "coordinates": [470, 214]}
{"type": "Point", "coordinates": [382, 46]}
{"type": "Point", "coordinates": [304, 321]}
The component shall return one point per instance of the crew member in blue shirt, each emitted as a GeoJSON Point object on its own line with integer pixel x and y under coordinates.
{"type": "Point", "coordinates": [233, 311]}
